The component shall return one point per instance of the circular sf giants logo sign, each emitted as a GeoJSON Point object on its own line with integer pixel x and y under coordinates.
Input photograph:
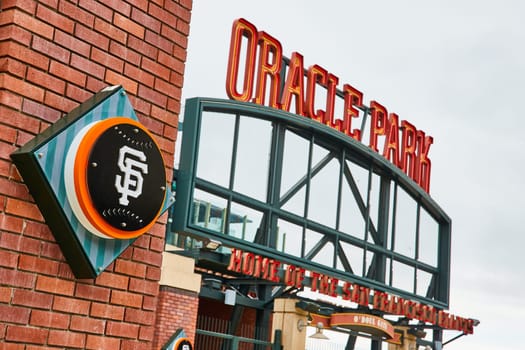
{"type": "Point", "coordinates": [115, 178]}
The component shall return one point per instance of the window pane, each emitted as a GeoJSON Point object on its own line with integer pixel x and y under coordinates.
{"type": "Point", "coordinates": [253, 151]}
{"type": "Point", "coordinates": [215, 148]}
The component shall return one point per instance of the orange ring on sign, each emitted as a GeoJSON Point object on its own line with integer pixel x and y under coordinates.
{"type": "Point", "coordinates": [80, 179]}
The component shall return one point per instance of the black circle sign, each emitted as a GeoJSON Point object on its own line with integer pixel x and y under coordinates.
{"type": "Point", "coordinates": [115, 178]}
{"type": "Point", "coordinates": [183, 344]}
{"type": "Point", "coordinates": [126, 177]}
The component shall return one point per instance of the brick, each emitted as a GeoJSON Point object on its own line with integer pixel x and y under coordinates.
{"type": "Point", "coordinates": [175, 36]}
{"type": "Point", "coordinates": [162, 15]}
{"type": "Point", "coordinates": [66, 338]}
{"type": "Point", "coordinates": [74, 76]}
{"type": "Point", "coordinates": [37, 230]}
{"type": "Point", "coordinates": [152, 96]}
{"type": "Point", "coordinates": [147, 256]}
{"type": "Point", "coordinates": [50, 49]}
{"type": "Point", "coordinates": [128, 344]}
{"type": "Point", "coordinates": [140, 317]}
{"type": "Point", "coordinates": [91, 37]}
{"type": "Point", "coordinates": [107, 311]}
{"type": "Point", "coordinates": [15, 33]}
{"type": "Point", "coordinates": [182, 11]}
{"type": "Point", "coordinates": [124, 53]}
{"type": "Point", "coordinates": [87, 325]}
{"type": "Point", "coordinates": [71, 43]}
{"type": "Point", "coordinates": [146, 333]}
{"type": "Point", "coordinates": [71, 305]}
{"type": "Point", "coordinates": [140, 75]}
{"type": "Point", "coordinates": [111, 280]}
{"type": "Point", "coordinates": [110, 31]}
{"type": "Point", "coordinates": [14, 314]}
{"type": "Point", "coordinates": [76, 13]}
{"type": "Point", "coordinates": [128, 25]}
{"type": "Point", "coordinates": [153, 273]}
{"type": "Point", "coordinates": [157, 244]}
{"type": "Point", "coordinates": [9, 99]}
{"type": "Point", "coordinates": [16, 278]}
{"type": "Point", "coordinates": [143, 286]}
{"type": "Point", "coordinates": [12, 66]}
{"type": "Point", "coordinates": [114, 78]}
{"type": "Point", "coordinates": [19, 243]}
{"type": "Point", "coordinates": [7, 134]}
{"type": "Point", "coordinates": [19, 120]}
{"type": "Point", "coordinates": [169, 61]}
{"type": "Point", "coordinates": [149, 303]}
{"type": "Point", "coordinates": [40, 110]}
{"type": "Point", "coordinates": [49, 319]}
{"type": "Point", "coordinates": [124, 330]}
{"type": "Point", "coordinates": [126, 299]}
{"type": "Point", "coordinates": [24, 54]}
{"type": "Point", "coordinates": [85, 291]}
{"type": "Point", "coordinates": [5, 294]}
{"type": "Point", "coordinates": [87, 66]}
{"type": "Point", "coordinates": [6, 149]}
{"type": "Point", "coordinates": [64, 271]}
{"type": "Point", "coordinates": [142, 47]}
{"type": "Point", "coordinates": [97, 9]}
{"type": "Point", "coordinates": [159, 41]}
{"type": "Point", "coordinates": [39, 265]}
{"type": "Point", "coordinates": [32, 299]}
{"type": "Point", "coordinates": [59, 103]}
{"type": "Point", "coordinates": [8, 259]}
{"type": "Point", "coordinates": [180, 53]}
{"type": "Point", "coordinates": [130, 268]}
{"type": "Point", "coordinates": [55, 19]}
{"type": "Point", "coordinates": [95, 342]}
{"type": "Point", "coordinates": [55, 285]}
{"type": "Point", "coordinates": [30, 23]}
{"type": "Point", "coordinates": [156, 69]}
{"type": "Point", "coordinates": [23, 209]}
{"type": "Point", "coordinates": [77, 94]}
{"type": "Point", "coordinates": [163, 115]}
{"type": "Point", "coordinates": [107, 60]}
{"type": "Point", "coordinates": [183, 27]}
{"type": "Point", "coordinates": [142, 241]}
{"type": "Point", "coordinates": [24, 88]}
{"type": "Point", "coordinates": [145, 20]}
{"type": "Point", "coordinates": [25, 334]}
{"type": "Point", "coordinates": [51, 250]}
{"type": "Point", "coordinates": [94, 85]}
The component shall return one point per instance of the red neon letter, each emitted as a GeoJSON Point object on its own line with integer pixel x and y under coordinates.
{"type": "Point", "coordinates": [352, 97]}
{"type": "Point", "coordinates": [235, 260]}
{"type": "Point", "coordinates": [423, 162]}
{"type": "Point", "coordinates": [269, 46]}
{"type": "Point", "coordinates": [241, 28]}
{"type": "Point", "coordinates": [391, 147]}
{"type": "Point", "coordinates": [408, 149]}
{"type": "Point", "coordinates": [316, 74]}
{"type": "Point", "coordinates": [330, 100]}
{"type": "Point", "coordinates": [377, 123]}
{"type": "Point", "coordinates": [294, 85]}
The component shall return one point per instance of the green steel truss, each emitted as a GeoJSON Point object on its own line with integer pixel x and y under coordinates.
{"type": "Point", "coordinates": [290, 188]}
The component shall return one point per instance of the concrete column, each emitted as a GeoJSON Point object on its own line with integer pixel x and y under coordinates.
{"type": "Point", "coordinates": [286, 318]}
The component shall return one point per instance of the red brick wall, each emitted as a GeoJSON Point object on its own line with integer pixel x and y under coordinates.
{"type": "Point", "coordinates": [54, 54]}
{"type": "Point", "coordinates": [177, 309]}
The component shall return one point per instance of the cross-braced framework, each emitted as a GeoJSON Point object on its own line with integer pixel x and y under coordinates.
{"type": "Point", "coordinates": [292, 189]}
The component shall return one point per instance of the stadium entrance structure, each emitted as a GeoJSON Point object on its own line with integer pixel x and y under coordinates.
{"type": "Point", "coordinates": [274, 206]}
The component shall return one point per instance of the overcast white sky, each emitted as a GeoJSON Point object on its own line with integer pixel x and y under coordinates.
{"type": "Point", "coordinates": [455, 69]}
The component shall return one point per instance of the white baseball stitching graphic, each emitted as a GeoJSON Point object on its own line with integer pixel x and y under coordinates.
{"type": "Point", "coordinates": [131, 184]}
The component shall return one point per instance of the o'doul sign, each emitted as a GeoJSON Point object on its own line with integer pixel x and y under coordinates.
{"type": "Point", "coordinates": [99, 179]}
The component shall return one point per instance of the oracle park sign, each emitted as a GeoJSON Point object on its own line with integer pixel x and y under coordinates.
{"type": "Point", "coordinates": [305, 186]}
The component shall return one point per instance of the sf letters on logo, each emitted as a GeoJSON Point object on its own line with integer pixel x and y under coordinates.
{"type": "Point", "coordinates": [131, 163]}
